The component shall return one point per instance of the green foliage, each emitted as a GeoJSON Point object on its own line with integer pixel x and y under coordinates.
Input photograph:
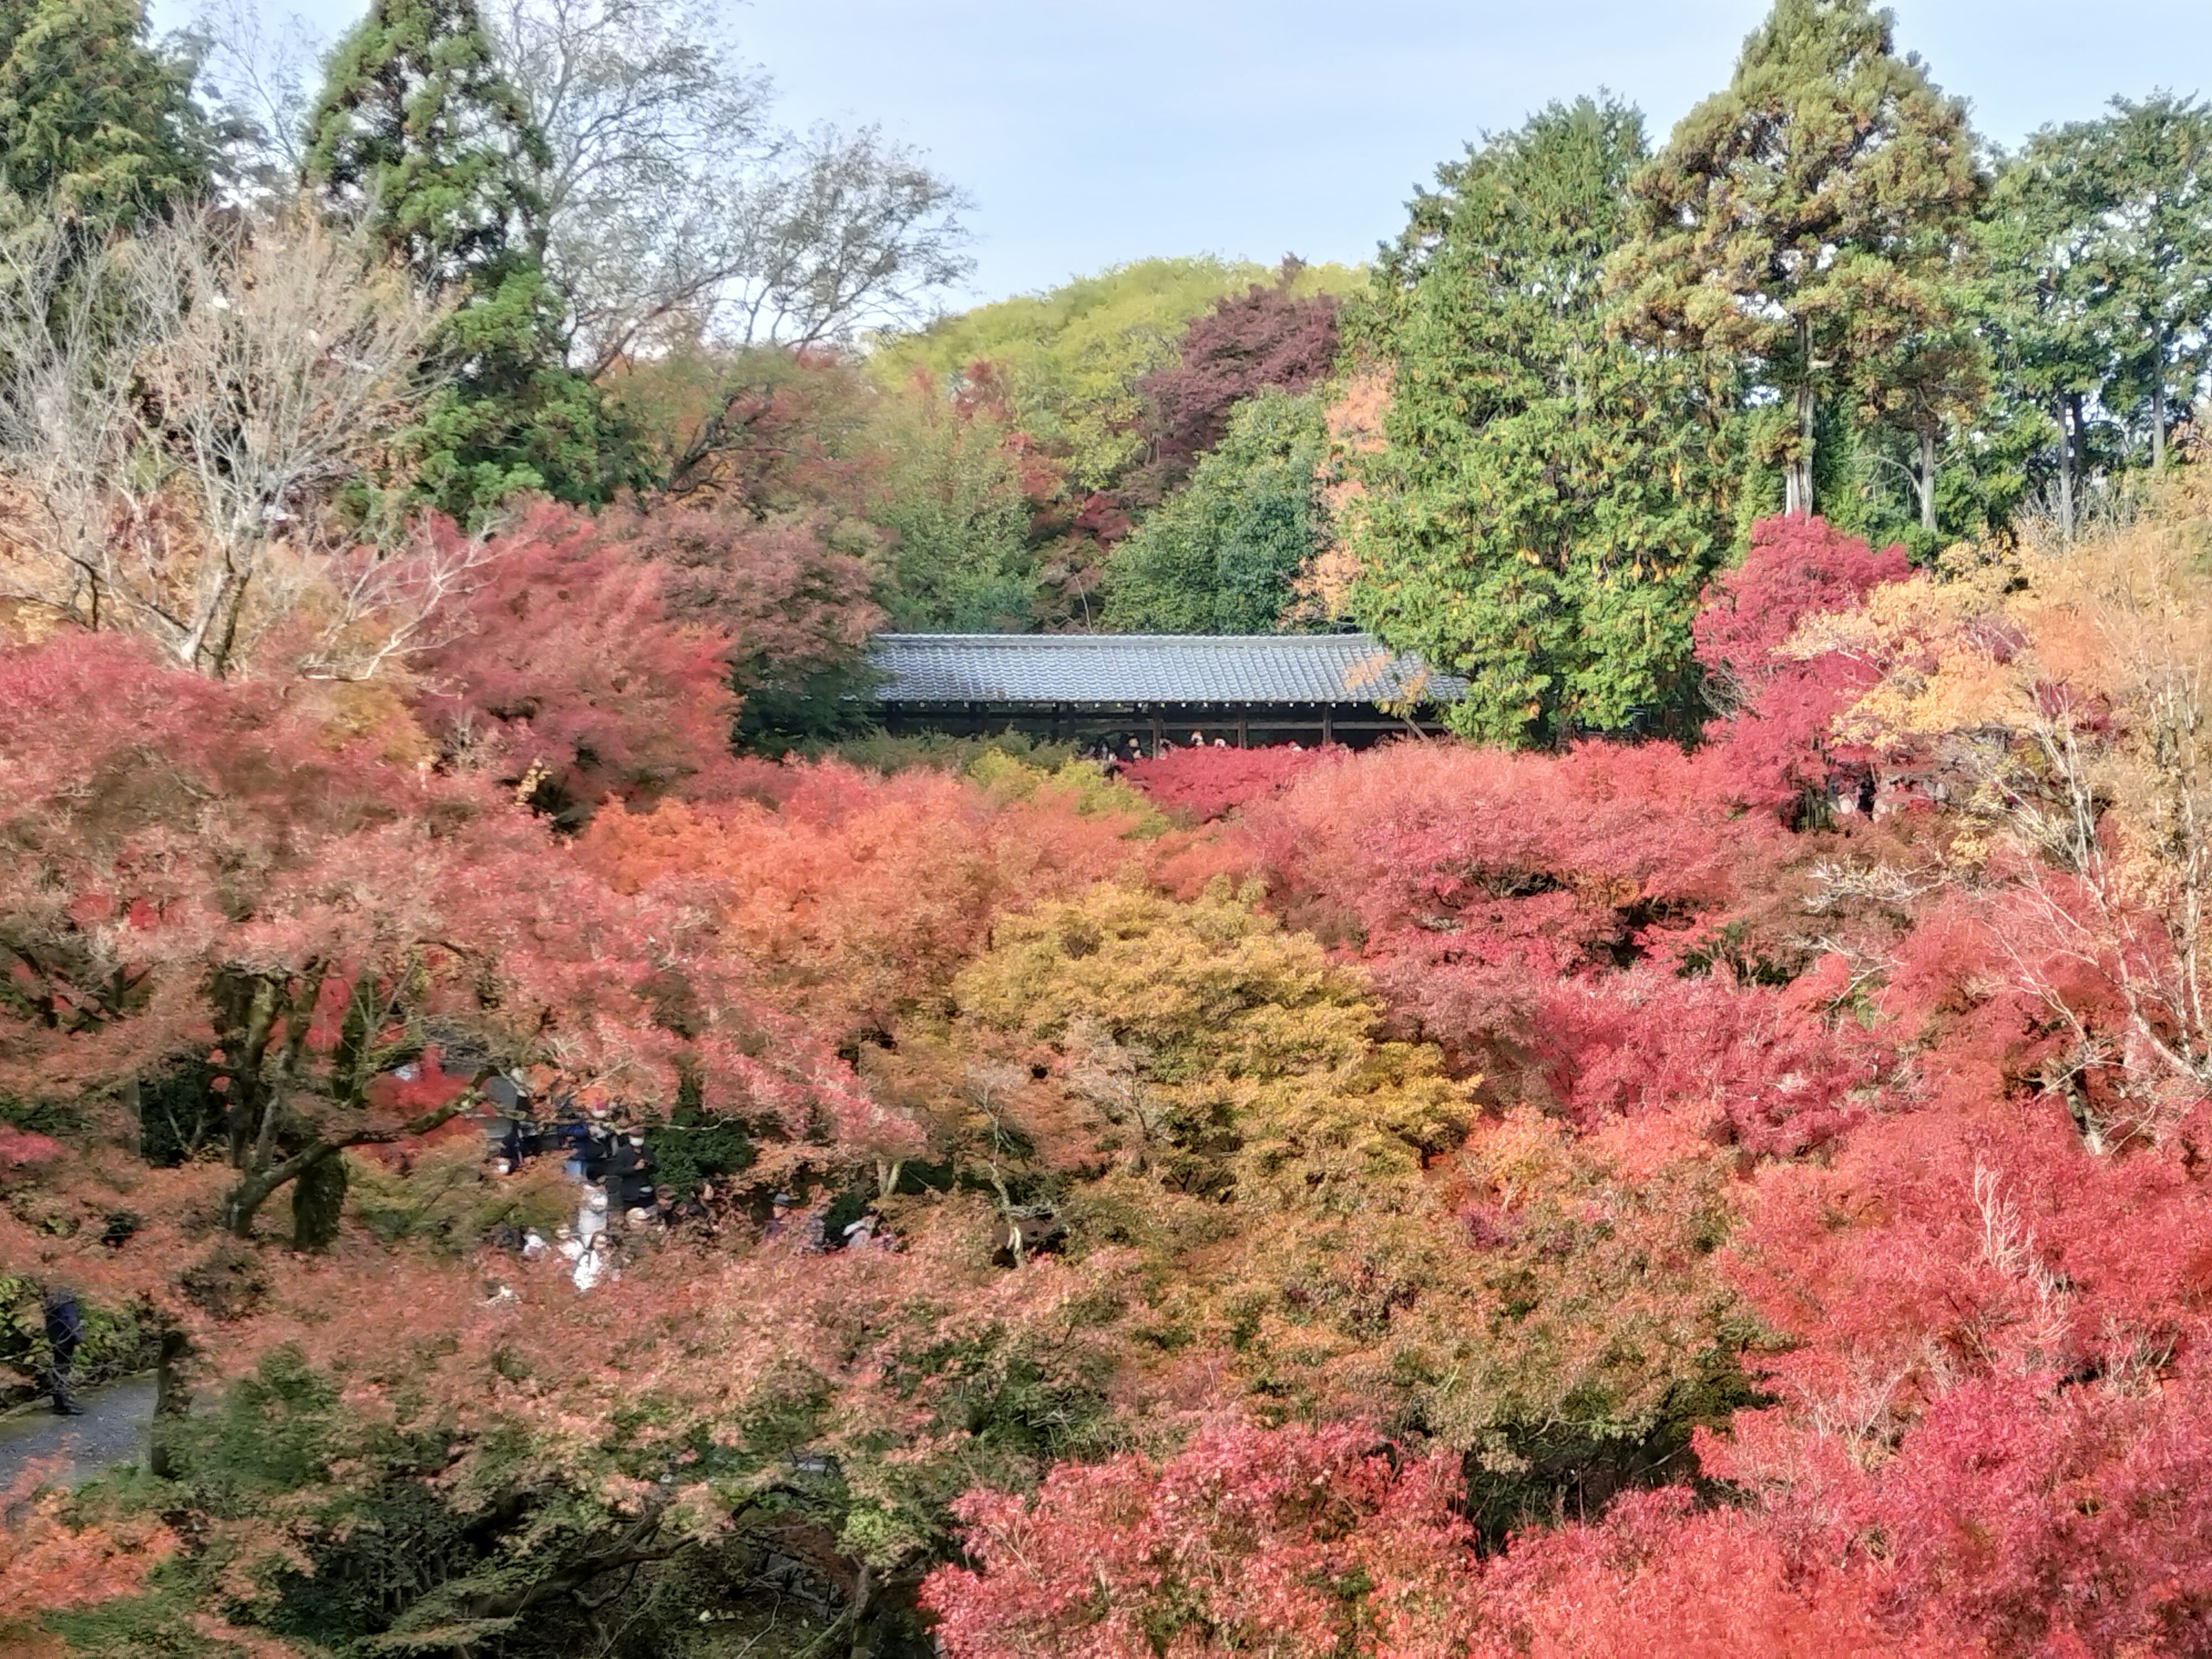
{"type": "Point", "coordinates": [447, 1200]}
{"type": "Point", "coordinates": [1218, 555]}
{"type": "Point", "coordinates": [96, 122]}
{"type": "Point", "coordinates": [1807, 221]}
{"type": "Point", "coordinates": [953, 497]}
{"type": "Point", "coordinates": [1071, 357]}
{"type": "Point", "coordinates": [180, 1114]}
{"type": "Point", "coordinates": [1549, 498]}
{"type": "Point", "coordinates": [1081, 785]}
{"type": "Point", "coordinates": [2102, 268]}
{"type": "Point", "coordinates": [416, 124]}
{"type": "Point", "coordinates": [511, 418]}
{"type": "Point", "coordinates": [884, 752]}
{"type": "Point", "coordinates": [693, 1146]}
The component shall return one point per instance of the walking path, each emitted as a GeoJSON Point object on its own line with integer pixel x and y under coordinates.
{"type": "Point", "coordinates": [117, 1423]}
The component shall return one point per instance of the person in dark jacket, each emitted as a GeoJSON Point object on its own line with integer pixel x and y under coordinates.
{"type": "Point", "coordinates": [65, 1330]}
{"type": "Point", "coordinates": [629, 1174]}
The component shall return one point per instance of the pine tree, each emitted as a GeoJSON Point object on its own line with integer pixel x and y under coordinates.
{"type": "Point", "coordinates": [94, 121]}
{"type": "Point", "coordinates": [1806, 220]}
{"type": "Point", "coordinates": [1549, 499]}
{"type": "Point", "coordinates": [416, 122]}
{"type": "Point", "coordinates": [418, 127]}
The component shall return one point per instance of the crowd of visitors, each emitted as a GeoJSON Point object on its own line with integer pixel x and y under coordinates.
{"type": "Point", "coordinates": [1113, 754]}
{"type": "Point", "coordinates": [623, 1210]}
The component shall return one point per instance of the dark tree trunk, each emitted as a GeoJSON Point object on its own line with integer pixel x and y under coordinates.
{"type": "Point", "coordinates": [2158, 421]}
{"type": "Point", "coordinates": [1798, 485]}
{"type": "Point", "coordinates": [317, 1201]}
{"type": "Point", "coordinates": [2068, 407]}
{"type": "Point", "coordinates": [269, 1175]}
{"type": "Point", "coordinates": [170, 1400]}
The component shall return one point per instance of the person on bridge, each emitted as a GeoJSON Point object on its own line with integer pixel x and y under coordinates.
{"type": "Point", "coordinates": [65, 1330]}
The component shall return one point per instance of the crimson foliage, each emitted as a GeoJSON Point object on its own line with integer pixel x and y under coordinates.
{"type": "Point", "coordinates": [573, 676]}
{"type": "Point", "coordinates": [1210, 783]}
{"type": "Point", "coordinates": [1774, 746]}
{"type": "Point", "coordinates": [1264, 337]}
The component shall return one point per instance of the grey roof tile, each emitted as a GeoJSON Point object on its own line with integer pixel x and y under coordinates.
{"type": "Point", "coordinates": [1047, 668]}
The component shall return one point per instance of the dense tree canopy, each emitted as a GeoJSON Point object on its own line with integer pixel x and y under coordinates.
{"type": "Point", "coordinates": [1805, 219]}
{"type": "Point", "coordinates": [99, 121]}
{"type": "Point", "coordinates": [1712, 1165]}
{"type": "Point", "coordinates": [1268, 336]}
{"type": "Point", "coordinates": [1218, 555]}
{"type": "Point", "coordinates": [417, 126]}
{"type": "Point", "coordinates": [1547, 499]}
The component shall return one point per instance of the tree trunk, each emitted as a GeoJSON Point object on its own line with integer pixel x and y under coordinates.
{"type": "Point", "coordinates": [1798, 499]}
{"type": "Point", "coordinates": [134, 1119]}
{"type": "Point", "coordinates": [255, 1187]}
{"type": "Point", "coordinates": [2066, 469]}
{"type": "Point", "coordinates": [169, 1401]}
{"type": "Point", "coordinates": [2158, 420]}
{"type": "Point", "coordinates": [1928, 478]}
{"type": "Point", "coordinates": [317, 1202]}
{"type": "Point", "coordinates": [864, 1646]}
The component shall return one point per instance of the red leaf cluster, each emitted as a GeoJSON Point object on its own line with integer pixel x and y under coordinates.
{"type": "Point", "coordinates": [573, 670]}
{"type": "Point", "coordinates": [1268, 335]}
{"type": "Point", "coordinates": [1208, 783]}
{"type": "Point", "coordinates": [1301, 1542]}
{"type": "Point", "coordinates": [1776, 744]}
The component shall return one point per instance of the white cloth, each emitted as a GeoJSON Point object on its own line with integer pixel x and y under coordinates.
{"type": "Point", "coordinates": [591, 1267]}
{"type": "Point", "coordinates": [591, 1214]}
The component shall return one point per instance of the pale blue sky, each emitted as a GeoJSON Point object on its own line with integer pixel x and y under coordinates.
{"type": "Point", "coordinates": [1090, 134]}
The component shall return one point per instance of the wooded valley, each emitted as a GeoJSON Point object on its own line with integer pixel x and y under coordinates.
{"type": "Point", "coordinates": [603, 1151]}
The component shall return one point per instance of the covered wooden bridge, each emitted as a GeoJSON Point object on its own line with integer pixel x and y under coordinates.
{"type": "Point", "coordinates": [1244, 689]}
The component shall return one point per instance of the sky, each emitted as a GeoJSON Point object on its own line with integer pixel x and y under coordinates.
{"type": "Point", "coordinates": [1087, 135]}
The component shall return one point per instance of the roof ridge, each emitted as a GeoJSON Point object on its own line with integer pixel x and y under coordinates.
{"type": "Point", "coordinates": [974, 641]}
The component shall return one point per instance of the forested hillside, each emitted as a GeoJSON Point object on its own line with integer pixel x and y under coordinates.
{"type": "Point", "coordinates": [602, 1155]}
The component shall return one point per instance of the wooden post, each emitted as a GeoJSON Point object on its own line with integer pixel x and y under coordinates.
{"type": "Point", "coordinates": [1328, 724]}
{"type": "Point", "coordinates": [1243, 727]}
{"type": "Point", "coordinates": [1156, 731]}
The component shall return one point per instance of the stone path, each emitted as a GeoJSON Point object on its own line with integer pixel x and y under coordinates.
{"type": "Point", "coordinates": [114, 1429]}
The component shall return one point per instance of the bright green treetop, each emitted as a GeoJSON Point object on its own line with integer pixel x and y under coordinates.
{"type": "Point", "coordinates": [1807, 219]}
{"type": "Point", "coordinates": [1549, 498]}
{"type": "Point", "coordinates": [1071, 358]}
{"type": "Point", "coordinates": [1218, 555]}
{"type": "Point", "coordinates": [952, 499]}
{"type": "Point", "coordinates": [95, 120]}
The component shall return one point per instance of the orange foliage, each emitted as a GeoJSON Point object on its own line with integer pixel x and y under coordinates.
{"type": "Point", "coordinates": [856, 899]}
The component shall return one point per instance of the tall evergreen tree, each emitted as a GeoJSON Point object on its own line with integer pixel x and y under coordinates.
{"type": "Point", "coordinates": [1808, 218]}
{"type": "Point", "coordinates": [418, 127]}
{"type": "Point", "coordinates": [1549, 498]}
{"type": "Point", "coordinates": [416, 122]}
{"type": "Point", "coordinates": [2115, 220]}
{"type": "Point", "coordinates": [95, 121]}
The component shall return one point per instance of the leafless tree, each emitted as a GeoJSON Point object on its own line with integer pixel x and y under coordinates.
{"type": "Point", "coordinates": [176, 410]}
{"type": "Point", "coordinates": [257, 77]}
{"type": "Point", "coordinates": [66, 425]}
{"type": "Point", "coordinates": [674, 210]}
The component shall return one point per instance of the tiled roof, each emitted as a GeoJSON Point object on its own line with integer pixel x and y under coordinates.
{"type": "Point", "coordinates": [1116, 668]}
